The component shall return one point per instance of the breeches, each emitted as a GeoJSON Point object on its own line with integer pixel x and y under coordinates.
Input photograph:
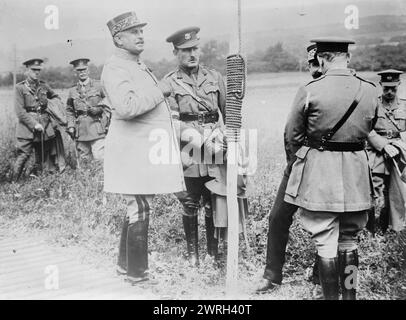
{"type": "Point", "coordinates": [138, 207]}
{"type": "Point", "coordinates": [331, 231]}
{"type": "Point", "coordinates": [93, 148]}
{"type": "Point", "coordinates": [194, 194]}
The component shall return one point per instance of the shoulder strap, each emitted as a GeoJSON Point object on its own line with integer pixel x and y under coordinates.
{"type": "Point", "coordinates": [190, 92]}
{"type": "Point", "coordinates": [390, 117]}
{"type": "Point", "coordinates": [350, 110]}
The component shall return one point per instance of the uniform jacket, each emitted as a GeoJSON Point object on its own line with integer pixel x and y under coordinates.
{"type": "Point", "coordinates": [327, 180]}
{"type": "Point", "coordinates": [381, 135]}
{"type": "Point", "coordinates": [80, 99]}
{"type": "Point", "coordinates": [141, 152]}
{"type": "Point", "coordinates": [32, 95]}
{"type": "Point", "coordinates": [209, 86]}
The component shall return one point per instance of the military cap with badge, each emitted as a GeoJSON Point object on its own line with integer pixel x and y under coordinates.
{"type": "Point", "coordinates": [80, 64]}
{"type": "Point", "coordinates": [185, 38]}
{"type": "Point", "coordinates": [390, 77]}
{"type": "Point", "coordinates": [332, 44]}
{"type": "Point", "coordinates": [124, 22]}
{"type": "Point", "coordinates": [34, 64]}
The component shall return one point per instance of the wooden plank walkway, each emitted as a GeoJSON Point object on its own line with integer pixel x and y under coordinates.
{"type": "Point", "coordinates": [31, 269]}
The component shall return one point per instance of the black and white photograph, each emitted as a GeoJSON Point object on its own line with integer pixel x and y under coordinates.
{"type": "Point", "coordinates": [217, 153]}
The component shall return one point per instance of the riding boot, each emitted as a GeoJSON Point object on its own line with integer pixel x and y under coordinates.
{"type": "Point", "coordinates": [19, 166]}
{"type": "Point", "coordinates": [212, 242]}
{"type": "Point", "coordinates": [137, 251]}
{"type": "Point", "coordinates": [402, 244]}
{"type": "Point", "coordinates": [315, 272]}
{"type": "Point", "coordinates": [348, 288]}
{"type": "Point", "coordinates": [328, 273]}
{"type": "Point", "coordinates": [122, 250]}
{"type": "Point", "coordinates": [384, 219]}
{"type": "Point", "coordinates": [191, 233]}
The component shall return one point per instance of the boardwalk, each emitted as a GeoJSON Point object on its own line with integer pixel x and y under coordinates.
{"type": "Point", "coordinates": [31, 269]}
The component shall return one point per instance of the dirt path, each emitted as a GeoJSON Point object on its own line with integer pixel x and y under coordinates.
{"type": "Point", "coordinates": [32, 269]}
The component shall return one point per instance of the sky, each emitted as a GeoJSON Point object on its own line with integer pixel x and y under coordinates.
{"type": "Point", "coordinates": [22, 21]}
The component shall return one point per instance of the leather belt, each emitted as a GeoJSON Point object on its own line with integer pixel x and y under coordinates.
{"type": "Point", "coordinates": [336, 146]}
{"type": "Point", "coordinates": [389, 134]}
{"type": "Point", "coordinates": [204, 117]}
{"type": "Point", "coordinates": [35, 110]}
{"type": "Point", "coordinates": [81, 113]}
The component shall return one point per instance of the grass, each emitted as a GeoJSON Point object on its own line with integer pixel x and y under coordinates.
{"type": "Point", "coordinates": [71, 210]}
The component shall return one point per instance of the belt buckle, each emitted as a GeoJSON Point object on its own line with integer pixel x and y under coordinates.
{"type": "Point", "coordinates": [389, 134]}
{"type": "Point", "coordinates": [200, 118]}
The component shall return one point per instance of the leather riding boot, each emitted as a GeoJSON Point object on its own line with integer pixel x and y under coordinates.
{"type": "Point", "coordinates": [402, 244]}
{"type": "Point", "coordinates": [212, 242]}
{"type": "Point", "coordinates": [191, 233]}
{"type": "Point", "coordinates": [19, 166]}
{"type": "Point", "coordinates": [328, 273]}
{"type": "Point", "coordinates": [315, 273]}
{"type": "Point", "coordinates": [348, 288]}
{"type": "Point", "coordinates": [122, 249]}
{"type": "Point", "coordinates": [384, 218]}
{"type": "Point", "coordinates": [137, 250]}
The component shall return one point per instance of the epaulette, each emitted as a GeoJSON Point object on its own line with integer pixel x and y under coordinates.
{"type": "Point", "coordinates": [170, 73]}
{"type": "Point", "coordinates": [315, 80]}
{"type": "Point", "coordinates": [362, 79]}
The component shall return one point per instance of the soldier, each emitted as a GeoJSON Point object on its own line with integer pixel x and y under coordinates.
{"type": "Point", "coordinates": [139, 111]}
{"type": "Point", "coordinates": [312, 61]}
{"type": "Point", "coordinates": [35, 129]}
{"type": "Point", "coordinates": [330, 177]}
{"type": "Point", "coordinates": [197, 100]}
{"type": "Point", "coordinates": [281, 215]}
{"type": "Point", "coordinates": [391, 122]}
{"type": "Point", "coordinates": [88, 117]}
{"type": "Point", "coordinates": [385, 144]}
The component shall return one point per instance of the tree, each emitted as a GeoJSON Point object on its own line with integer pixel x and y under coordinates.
{"type": "Point", "coordinates": [214, 55]}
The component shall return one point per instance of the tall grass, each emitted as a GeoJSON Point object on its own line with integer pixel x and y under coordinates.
{"type": "Point", "coordinates": [71, 209]}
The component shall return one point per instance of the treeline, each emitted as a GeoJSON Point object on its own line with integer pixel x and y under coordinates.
{"type": "Point", "coordinates": [275, 58]}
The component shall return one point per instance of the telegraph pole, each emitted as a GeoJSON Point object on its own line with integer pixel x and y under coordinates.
{"type": "Point", "coordinates": [14, 68]}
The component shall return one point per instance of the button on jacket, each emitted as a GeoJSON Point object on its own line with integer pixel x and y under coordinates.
{"type": "Point", "coordinates": [384, 132]}
{"type": "Point", "coordinates": [80, 99]}
{"type": "Point", "coordinates": [30, 105]}
{"type": "Point", "coordinates": [208, 86]}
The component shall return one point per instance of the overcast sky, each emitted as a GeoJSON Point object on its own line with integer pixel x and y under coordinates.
{"type": "Point", "coordinates": [22, 21]}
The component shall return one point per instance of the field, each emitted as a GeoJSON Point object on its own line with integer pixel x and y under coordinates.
{"type": "Point", "coordinates": [71, 210]}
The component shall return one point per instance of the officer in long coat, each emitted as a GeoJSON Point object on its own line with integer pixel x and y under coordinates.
{"type": "Point", "coordinates": [141, 155]}
{"type": "Point", "coordinates": [87, 116]}
{"type": "Point", "coordinates": [330, 181]}
{"type": "Point", "coordinates": [35, 130]}
{"type": "Point", "coordinates": [197, 102]}
{"type": "Point", "coordinates": [281, 215]}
